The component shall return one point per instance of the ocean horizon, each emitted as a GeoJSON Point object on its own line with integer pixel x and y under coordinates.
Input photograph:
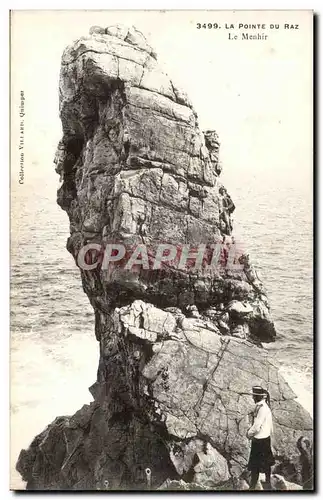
{"type": "Point", "coordinates": [54, 353]}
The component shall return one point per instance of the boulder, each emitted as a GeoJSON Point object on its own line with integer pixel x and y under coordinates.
{"type": "Point", "coordinates": [279, 483]}
{"type": "Point", "coordinates": [187, 399]}
{"type": "Point", "coordinates": [174, 485]}
{"type": "Point", "coordinates": [239, 308]}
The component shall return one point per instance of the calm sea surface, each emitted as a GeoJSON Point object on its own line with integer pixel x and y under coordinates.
{"type": "Point", "coordinates": [54, 353]}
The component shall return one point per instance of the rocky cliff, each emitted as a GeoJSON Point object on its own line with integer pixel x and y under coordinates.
{"type": "Point", "coordinates": [180, 344]}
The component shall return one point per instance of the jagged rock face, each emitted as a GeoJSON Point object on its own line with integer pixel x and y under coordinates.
{"type": "Point", "coordinates": [179, 349]}
{"type": "Point", "coordinates": [173, 395]}
{"type": "Point", "coordinates": [137, 169]}
{"type": "Point", "coordinates": [195, 384]}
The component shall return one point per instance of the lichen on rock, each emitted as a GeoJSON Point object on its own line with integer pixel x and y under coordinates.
{"type": "Point", "coordinates": [179, 348]}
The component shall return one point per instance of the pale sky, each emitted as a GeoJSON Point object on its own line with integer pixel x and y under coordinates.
{"type": "Point", "coordinates": [256, 94]}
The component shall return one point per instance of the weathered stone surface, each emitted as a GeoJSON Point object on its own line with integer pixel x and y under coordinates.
{"type": "Point", "coordinates": [136, 168]}
{"type": "Point", "coordinates": [185, 396]}
{"type": "Point", "coordinates": [179, 349]}
{"type": "Point", "coordinates": [114, 446]}
{"type": "Point", "coordinates": [211, 469]}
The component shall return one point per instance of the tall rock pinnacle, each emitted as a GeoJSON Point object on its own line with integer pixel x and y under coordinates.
{"type": "Point", "coordinates": [180, 347]}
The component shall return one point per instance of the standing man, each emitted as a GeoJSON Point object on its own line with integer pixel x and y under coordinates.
{"type": "Point", "coordinates": [226, 209]}
{"type": "Point", "coordinates": [261, 457]}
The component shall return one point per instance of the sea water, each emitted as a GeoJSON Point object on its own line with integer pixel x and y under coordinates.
{"type": "Point", "coordinates": [54, 354]}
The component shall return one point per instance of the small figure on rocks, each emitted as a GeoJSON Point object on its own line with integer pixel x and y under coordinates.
{"type": "Point", "coordinates": [213, 145]}
{"type": "Point", "coordinates": [261, 457]}
{"type": "Point", "coordinates": [126, 144]}
{"type": "Point", "coordinates": [142, 227]}
{"type": "Point", "coordinates": [223, 320]}
{"type": "Point", "coordinates": [226, 208]}
{"type": "Point", "coordinates": [252, 276]}
{"type": "Point", "coordinates": [223, 225]}
{"type": "Point", "coordinates": [248, 268]}
{"type": "Point", "coordinates": [220, 316]}
{"type": "Point", "coordinates": [306, 460]}
{"type": "Point", "coordinates": [148, 478]}
{"type": "Point", "coordinates": [59, 160]}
